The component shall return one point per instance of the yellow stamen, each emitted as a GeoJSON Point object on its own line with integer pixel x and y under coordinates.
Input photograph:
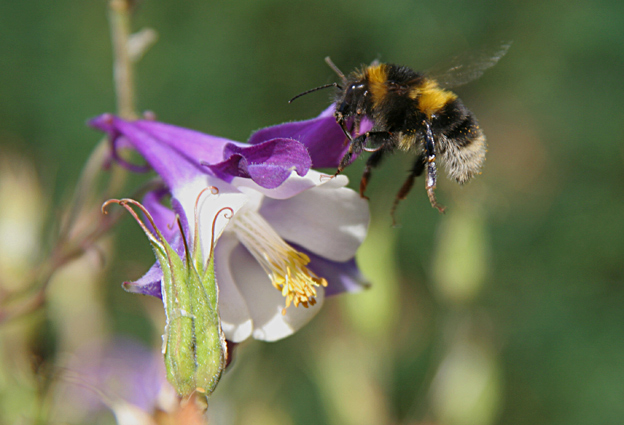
{"type": "Point", "coordinates": [285, 266]}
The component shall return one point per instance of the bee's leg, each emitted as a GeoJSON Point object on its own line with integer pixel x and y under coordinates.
{"type": "Point", "coordinates": [356, 124]}
{"type": "Point", "coordinates": [357, 145]}
{"type": "Point", "coordinates": [355, 129]}
{"type": "Point", "coordinates": [417, 170]}
{"type": "Point", "coordinates": [431, 167]}
{"type": "Point", "coordinates": [341, 122]}
{"type": "Point", "coordinates": [355, 148]}
{"type": "Point", "coordinates": [372, 162]}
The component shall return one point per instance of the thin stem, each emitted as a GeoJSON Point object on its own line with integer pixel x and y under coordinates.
{"type": "Point", "coordinates": [120, 18]}
{"type": "Point", "coordinates": [120, 14]}
{"type": "Point", "coordinates": [75, 239]}
{"type": "Point", "coordinates": [86, 182]}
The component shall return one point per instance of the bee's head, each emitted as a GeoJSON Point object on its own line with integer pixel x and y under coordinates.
{"type": "Point", "coordinates": [350, 100]}
{"type": "Point", "coordinates": [348, 94]}
{"type": "Point", "coordinates": [351, 95]}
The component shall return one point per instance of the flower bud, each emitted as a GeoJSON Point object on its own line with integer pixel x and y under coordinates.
{"type": "Point", "coordinates": [193, 342]}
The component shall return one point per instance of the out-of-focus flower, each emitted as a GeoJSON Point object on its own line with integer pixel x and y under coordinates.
{"type": "Point", "coordinates": [122, 376]}
{"type": "Point", "coordinates": [290, 227]}
{"type": "Point", "coordinates": [22, 213]}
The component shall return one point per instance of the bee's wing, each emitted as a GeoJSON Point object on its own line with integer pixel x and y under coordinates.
{"type": "Point", "coordinates": [466, 67]}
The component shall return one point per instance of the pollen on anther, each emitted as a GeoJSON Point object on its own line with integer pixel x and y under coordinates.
{"type": "Point", "coordinates": [286, 267]}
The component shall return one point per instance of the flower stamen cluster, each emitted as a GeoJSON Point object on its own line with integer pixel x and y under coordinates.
{"type": "Point", "coordinates": [285, 266]}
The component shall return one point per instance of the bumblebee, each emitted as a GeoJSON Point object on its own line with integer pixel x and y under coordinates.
{"type": "Point", "coordinates": [412, 112]}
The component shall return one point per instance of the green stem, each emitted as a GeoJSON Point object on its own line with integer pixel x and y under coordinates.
{"type": "Point", "coordinates": [120, 18]}
{"type": "Point", "coordinates": [72, 242]}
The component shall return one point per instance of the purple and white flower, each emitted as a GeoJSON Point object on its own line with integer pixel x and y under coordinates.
{"type": "Point", "coordinates": [276, 222]}
{"type": "Point", "coordinates": [119, 374]}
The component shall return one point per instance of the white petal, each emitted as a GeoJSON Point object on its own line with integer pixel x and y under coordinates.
{"type": "Point", "coordinates": [129, 414]}
{"type": "Point", "coordinates": [294, 185]}
{"type": "Point", "coordinates": [329, 222]}
{"type": "Point", "coordinates": [235, 318]}
{"type": "Point", "coordinates": [265, 303]}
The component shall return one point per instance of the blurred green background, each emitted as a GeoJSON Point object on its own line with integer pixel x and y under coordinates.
{"type": "Point", "coordinates": [509, 309]}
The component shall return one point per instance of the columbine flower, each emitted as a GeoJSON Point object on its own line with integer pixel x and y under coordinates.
{"type": "Point", "coordinates": [288, 235]}
{"type": "Point", "coordinates": [123, 376]}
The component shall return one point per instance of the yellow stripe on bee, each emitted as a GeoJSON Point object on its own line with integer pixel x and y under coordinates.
{"type": "Point", "coordinates": [431, 98]}
{"type": "Point", "coordinates": [407, 141]}
{"type": "Point", "coordinates": [377, 77]}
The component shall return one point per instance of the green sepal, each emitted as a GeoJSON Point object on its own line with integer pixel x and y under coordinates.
{"type": "Point", "coordinates": [194, 346]}
{"type": "Point", "coordinates": [210, 349]}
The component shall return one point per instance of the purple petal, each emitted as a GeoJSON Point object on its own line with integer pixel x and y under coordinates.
{"type": "Point", "coordinates": [177, 154]}
{"type": "Point", "coordinates": [150, 282]}
{"type": "Point", "coordinates": [164, 218]}
{"type": "Point", "coordinates": [324, 139]}
{"type": "Point", "coordinates": [341, 276]}
{"type": "Point", "coordinates": [268, 164]}
{"type": "Point", "coordinates": [173, 165]}
{"type": "Point", "coordinates": [198, 147]}
{"type": "Point", "coordinates": [106, 123]}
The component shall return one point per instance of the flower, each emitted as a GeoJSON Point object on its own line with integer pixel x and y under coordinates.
{"type": "Point", "coordinates": [122, 375]}
{"type": "Point", "coordinates": [273, 221]}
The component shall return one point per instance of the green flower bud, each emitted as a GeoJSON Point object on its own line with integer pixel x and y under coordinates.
{"type": "Point", "coordinates": [193, 343]}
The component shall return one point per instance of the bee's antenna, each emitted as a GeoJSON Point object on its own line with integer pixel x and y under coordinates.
{"type": "Point", "coordinates": [336, 70]}
{"type": "Point", "coordinates": [315, 89]}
